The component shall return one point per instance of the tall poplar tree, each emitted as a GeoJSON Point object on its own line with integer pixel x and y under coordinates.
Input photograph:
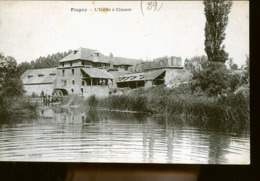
{"type": "Point", "coordinates": [216, 12]}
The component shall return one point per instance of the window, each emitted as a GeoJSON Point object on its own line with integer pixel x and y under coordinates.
{"type": "Point", "coordinates": [72, 90]}
{"type": "Point", "coordinates": [62, 64]}
{"type": "Point", "coordinates": [40, 75]}
{"type": "Point", "coordinates": [83, 82]}
{"type": "Point", "coordinates": [30, 76]}
{"type": "Point", "coordinates": [73, 82]}
{"type": "Point", "coordinates": [63, 72]}
{"type": "Point", "coordinates": [133, 77]}
{"type": "Point", "coordinates": [72, 70]}
{"type": "Point", "coordinates": [64, 82]}
{"type": "Point", "coordinates": [82, 62]}
{"type": "Point", "coordinates": [82, 90]}
{"type": "Point", "coordinates": [70, 63]}
{"type": "Point", "coordinates": [52, 74]}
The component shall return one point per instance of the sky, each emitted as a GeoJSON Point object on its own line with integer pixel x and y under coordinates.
{"type": "Point", "coordinates": [29, 30]}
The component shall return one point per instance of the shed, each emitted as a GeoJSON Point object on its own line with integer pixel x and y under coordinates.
{"type": "Point", "coordinates": [95, 76]}
{"type": "Point", "coordinates": [140, 79]}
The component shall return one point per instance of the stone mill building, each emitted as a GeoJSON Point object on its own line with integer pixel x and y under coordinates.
{"type": "Point", "coordinates": [86, 72]}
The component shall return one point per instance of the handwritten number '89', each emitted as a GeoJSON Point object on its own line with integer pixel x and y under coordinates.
{"type": "Point", "coordinates": [151, 5]}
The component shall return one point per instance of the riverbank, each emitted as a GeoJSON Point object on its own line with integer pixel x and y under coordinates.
{"type": "Point", "coordinates": [18, 106]}
{"type": "Point", "coordinates": [229, 111]}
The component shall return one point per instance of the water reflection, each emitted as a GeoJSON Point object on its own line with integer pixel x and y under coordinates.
{"type": "Point", "coordinates": [105, 136]}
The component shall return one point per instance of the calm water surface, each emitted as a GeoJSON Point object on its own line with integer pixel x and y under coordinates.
{"type": "Point", "coordinates": [106, 136]}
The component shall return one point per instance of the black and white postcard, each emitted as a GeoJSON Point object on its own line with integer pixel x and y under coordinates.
{"type": "Point", "coordinates": [125, 82]}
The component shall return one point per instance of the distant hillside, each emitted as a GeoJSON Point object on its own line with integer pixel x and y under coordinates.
{"type": "Point", "coordinates": [43, 62]}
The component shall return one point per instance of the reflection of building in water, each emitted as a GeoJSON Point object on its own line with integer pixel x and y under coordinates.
{"type": "Point", "coordinates": [46, 112]}
{"type": "Point", "coordinates": [65, 116]}
{"type": "Point", "coordinates": [149, 139]}
{"type": "Point", "coordinates": [164, 141]}
{"type": "Point", "coordinates": [217, 148]}
{"type": "Point", "coordinates": [68, 116]}
{"type": "Point", "coordinates": [169, 134]}
{"type": "Point", "coordinates": [106, 136]}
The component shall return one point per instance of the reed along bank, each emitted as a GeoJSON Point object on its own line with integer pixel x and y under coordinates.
{"type": "Point", "coordinates": [223, 111]}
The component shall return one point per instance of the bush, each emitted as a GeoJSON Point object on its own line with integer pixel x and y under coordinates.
{"type": "Point", "coordinates": [244, 89]}
{"type": "Point", "coordinates": [16, 106]}
{"type": "Point", "coordinates": [234, 80]}
{"type": "Point", "coordinates": [13, 87]}
{"type": "Point", "coordinates": [211, 77]}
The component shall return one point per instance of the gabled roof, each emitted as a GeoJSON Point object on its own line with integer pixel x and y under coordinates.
{"type": "Point", "coordinates": [151, 75]}
{"type": "Point", "coordinates": [86, 54]}
{"type": "Point", "coordinates": [97, 73]}
{"type": "Point", "coordinates": [124, 61]}
{"type": "Point", "coordinates": [39, 76]}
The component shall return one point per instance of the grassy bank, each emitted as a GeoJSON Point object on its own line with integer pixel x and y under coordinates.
{"type": "Point", "coordinates": [19, 106]}
{"type": "Point", "coordinates": [226, 111]}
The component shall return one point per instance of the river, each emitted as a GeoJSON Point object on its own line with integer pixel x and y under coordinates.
{"type": "Point", "coordinates": [70, 135]}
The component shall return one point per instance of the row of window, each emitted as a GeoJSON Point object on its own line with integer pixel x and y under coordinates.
{"type": "Point", "coordinates": [82, 90]}
{"type": "Point", "coordinates": [62, 64]}
{"type": "Point", "coordinates": [64, 82]}
{"type": "Point", "coordinates": [63, 72]}
{"type": "Point", "coordinates": [41, 75]}
{"type": "Point", "coordinates": [88, 63]}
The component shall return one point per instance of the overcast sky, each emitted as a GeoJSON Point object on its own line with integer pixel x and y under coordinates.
{"type": "Point", "coordinates": [29, 30]}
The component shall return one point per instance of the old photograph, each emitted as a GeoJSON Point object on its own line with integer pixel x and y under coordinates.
{"type": "Point", "coordinates": [125, 81]}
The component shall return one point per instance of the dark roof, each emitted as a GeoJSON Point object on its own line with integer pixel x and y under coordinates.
{"type": "Point", "coordinates": [86, 54]}
{"type": "Point", "coordinates": [117, 74]}
{"type": "Point", "coordinates": [151, 75]}
{"type": "Point", "coordinates": [39, 76]}
{"type": "Point", "coordinates": [132, 77]}
{"type": "Point", "coordinates": [124, 61]}
{"type": "Point", "coordinates": [97, 73]}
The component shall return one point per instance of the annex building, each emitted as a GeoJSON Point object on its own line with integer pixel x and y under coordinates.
{"type": "Point", "coordinates": [166, 70]}
{"type": "Point", "coordinates": [37, 80]}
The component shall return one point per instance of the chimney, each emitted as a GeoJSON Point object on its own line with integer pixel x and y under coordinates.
{"type": "Point", "coordinates": [110, 55]}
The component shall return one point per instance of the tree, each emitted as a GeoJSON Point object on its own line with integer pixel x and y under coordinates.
{"type": "Point", "coordinates": [22, 67]}
{"type": "Point", "coordinates": [11, 84]}
{"type": "Point", "coordinates": [42, 62]}
{"type": "Point", "coordinates": [232, 65]}
{"type": "Point", "coordinates": [211, 78]}
{"type": "Point", "coordinates": [246, 75]}
{"type": "Point", "coordinates": [216, 12]}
